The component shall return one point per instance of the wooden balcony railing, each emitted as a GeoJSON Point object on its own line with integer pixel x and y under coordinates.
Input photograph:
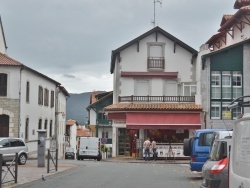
{"type": "Point", "coordinates": [133, 98]}
{"type": "Point", "coordinates": [156, 62]}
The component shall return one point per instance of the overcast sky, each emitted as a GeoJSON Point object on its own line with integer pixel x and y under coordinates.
{"type": "Point", "coordinates": [71, 40]}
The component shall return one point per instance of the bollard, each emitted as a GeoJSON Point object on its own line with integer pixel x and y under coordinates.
{"type": "Point", "coordinates": [56, 158]}
{"type": "Point", "coordinates": [48, 161]}
{"type": "Point", "coordinates": [16, 167]}
{"type": "Point", "coordinates": [1, 166]}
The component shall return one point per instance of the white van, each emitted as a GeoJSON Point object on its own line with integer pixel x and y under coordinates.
{"type": "Point", "coordinates": [239, 168]}
{"type": "Point", "coordinates": [89, 148]}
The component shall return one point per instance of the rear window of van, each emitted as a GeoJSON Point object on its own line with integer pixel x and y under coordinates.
{"type": "Point", "coordinates": [205, 139]}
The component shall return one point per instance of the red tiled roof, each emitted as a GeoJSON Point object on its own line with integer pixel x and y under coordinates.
{"type": "Point", "coordinates": [6, 60]}
{"type": "Point", "coordinates": [240, 3]}
{"type": "Point", "coordinates": [225, 18]}
{"type": "Point", "coordinates": [82, 132]}
{"type": "Point", "coordinates": [153, 106]}
{"type": "Point", "coordinates": [230, 22]}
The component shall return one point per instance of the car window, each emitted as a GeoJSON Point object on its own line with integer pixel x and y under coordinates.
{"type": "Point", "coordinates": [14, 142]}
{"type": "Point", "coordinates": [21, 143]}
{"type": "Point", "coordinates": [216, 151]}
{"type": "Point", "coordinates": [205, 139]}
{"type": "Point", "coordinates": [4, 143]}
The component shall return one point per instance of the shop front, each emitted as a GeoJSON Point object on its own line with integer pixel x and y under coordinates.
{"type": "Point", "coordinates": [167, 129]}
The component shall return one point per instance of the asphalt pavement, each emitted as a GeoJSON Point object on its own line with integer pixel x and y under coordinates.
{"type": "Point", "coordinates": [31, 172]}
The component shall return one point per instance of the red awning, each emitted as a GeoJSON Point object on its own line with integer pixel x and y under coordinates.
{"type": "Point", "coordinates": [163, 121]}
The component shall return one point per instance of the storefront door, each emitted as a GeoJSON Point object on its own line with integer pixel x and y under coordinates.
{"type": "Point", "coordinates": [121, 141]}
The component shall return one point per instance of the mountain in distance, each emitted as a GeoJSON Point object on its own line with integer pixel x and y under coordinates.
{"type": "Point", "coordinates": [76, 107]}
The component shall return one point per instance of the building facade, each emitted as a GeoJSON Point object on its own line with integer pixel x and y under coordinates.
{"type": "Point", "coordinates": [98, 118]}
{"type": "Point", "coordinates": [225, 64]}
{"type": "Point", "coordinates": [155, 92]}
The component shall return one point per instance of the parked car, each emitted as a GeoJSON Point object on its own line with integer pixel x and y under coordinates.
{"type": "Point", "coordinates": [69, 153]}
{"type": "Point", "coordinates": [215, 170]}
{"type": "Point", "coordinates": [10, 146]}
{"type": "Point", "coordinates": [198, 148]}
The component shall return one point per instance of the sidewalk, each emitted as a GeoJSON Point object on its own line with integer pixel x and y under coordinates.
{"type": "Point", "coordinates": [137, 160]}
{"type": "Point", "coordinates": [31, 172]}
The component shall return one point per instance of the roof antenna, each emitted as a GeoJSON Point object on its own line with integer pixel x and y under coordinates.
{"type": "Point", "coordinates": [156, 1]}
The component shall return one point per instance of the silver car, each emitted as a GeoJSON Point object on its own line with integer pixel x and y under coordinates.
{"type": "Point", "coordinates": [215, 170]}
{"type": "Point", "coordinates": [10, 146]}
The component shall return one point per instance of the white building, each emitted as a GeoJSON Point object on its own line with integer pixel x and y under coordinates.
{"type": "Point", "coordinates": [154, 92]}
{"type": "Point", "coordinates": [29, 101]}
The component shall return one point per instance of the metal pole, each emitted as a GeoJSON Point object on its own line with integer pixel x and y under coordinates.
{"type": "Point", "coordinates": [48, 161]}
{"type": "Point", "coordinates": [1, 166]}
{"type": "Point", "coordinates": [56, 158]}
{"type": "Point", "coordinates": [56, 116]}
{"type": "Point", "coordinates": [16, 167]}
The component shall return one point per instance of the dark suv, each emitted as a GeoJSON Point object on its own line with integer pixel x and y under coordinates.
{"type": "Point", "coordinates": [10, 146]}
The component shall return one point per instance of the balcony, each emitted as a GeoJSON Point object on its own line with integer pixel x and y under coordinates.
{"type": "Point", "coordinates": [156, 63]}
{"type": "Point", "coordinates": [179, 99]}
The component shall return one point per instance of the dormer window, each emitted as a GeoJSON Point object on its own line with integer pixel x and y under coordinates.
{"type": "Point", "coordinates": [156, 60]}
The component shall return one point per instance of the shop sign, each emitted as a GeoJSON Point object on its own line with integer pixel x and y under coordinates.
{"type": "Point", "coordinates": [179, 131]}
{"type": "Point", "coordinates": [226, 115]}
{"type": "Point", "coordinates": [119, 121]}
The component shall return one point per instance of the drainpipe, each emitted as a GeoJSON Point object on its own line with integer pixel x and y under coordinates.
{"type": "Point", "coordinates": [19, 116]}
{"type": "Point", "coordinates": [56, 116]}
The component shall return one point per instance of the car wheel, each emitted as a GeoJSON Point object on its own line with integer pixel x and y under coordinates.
{"type": "Point", "coordinates": [22, 159]}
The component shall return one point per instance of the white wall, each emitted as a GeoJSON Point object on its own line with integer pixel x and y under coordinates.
{"type": "Point", "coordinates": [134, 61]}
{"type": "Point", "coordinates": [92, 116]}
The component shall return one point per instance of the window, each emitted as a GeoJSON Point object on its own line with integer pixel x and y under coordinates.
{"type": "Point", "coordinates": [50, 128]}
{"type": "Point", "coordinates": [3, 84]}
{"type": "Point", "coordinates": [142, 88]}
{"type": "Point", "coordinates": [52, 97]}
{"type": "Point", "coordinates": [215, 84]}
{"type": "Point", "coordinates": [5, 143]}
{"type": "Point", "coordinates": [189, 89]}
{"type": "Point", "coordinates": [40, 124]}
{"type": "Point", "coordinates": [156, 56]}
{"type": "Point", "coordinates": [215, 110]}
{"type": "Point", "coordinates": [236, 112]}
{"type": "Point", "coordinates": [101, 115]}
{"type": "Point", "coordinates": [237, 85]}
{"type": "Point", "coordinates": [27, 129]}
{"type": "Point", "coordinates": [205, 139]}
{"type": "Point", "coordinates": [46, 97]}
{"type": "Point", "coordinates": [105, 134]}
{"type": "Point", "coordinates": [27, 92]}
{"type": "Point", "coordinates": [229, 89]}
{"type": "Point", "coordinates": [40, 95]}
{"type": "Point", "coordinates": [170, 88]}
{"type": "Point", "coordinates": [45, 124]}
{"type": "Point", "coordinates": [226, 85]}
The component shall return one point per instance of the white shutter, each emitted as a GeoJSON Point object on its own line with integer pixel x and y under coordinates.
{"type": "Point", "coordinates": [142, 88]}
{"type": "Point", "coordinates": [171, 88]}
